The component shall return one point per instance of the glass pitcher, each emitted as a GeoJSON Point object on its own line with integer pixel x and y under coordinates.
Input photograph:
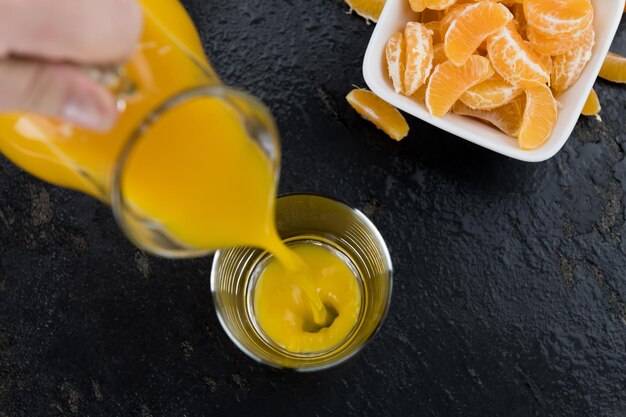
{"type": "Point", "coordinates": [167, 76]}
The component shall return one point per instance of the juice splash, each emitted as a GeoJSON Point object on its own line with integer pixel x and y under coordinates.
{"type": "Point", "coordinates": [214, 189]}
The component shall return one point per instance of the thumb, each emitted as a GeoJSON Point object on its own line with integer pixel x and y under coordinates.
{"type": "Point", "coordinates": [58, 90]}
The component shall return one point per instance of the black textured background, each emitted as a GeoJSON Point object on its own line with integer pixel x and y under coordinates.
{"type": "Point", "coordinates": [510, 291]}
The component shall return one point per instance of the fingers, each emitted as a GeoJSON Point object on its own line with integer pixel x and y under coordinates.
{"type": "Point", "coordinates": [58, 90]}
{"type": "Point", "coordinates": [77, 30]}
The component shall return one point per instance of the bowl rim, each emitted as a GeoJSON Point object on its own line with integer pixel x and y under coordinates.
{"type": "Point", "coordinates": [465, 129]}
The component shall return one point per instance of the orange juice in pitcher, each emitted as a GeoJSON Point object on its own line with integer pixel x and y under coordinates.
{"type": "Point", "coordinates": [182, 142]}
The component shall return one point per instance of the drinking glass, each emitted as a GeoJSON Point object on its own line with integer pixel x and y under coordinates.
{"type": "Point", "coordinates": [310, 219]}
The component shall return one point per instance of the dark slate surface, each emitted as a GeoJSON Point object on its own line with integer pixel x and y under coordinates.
{"type": "Point", "coordinates": [510, 277]}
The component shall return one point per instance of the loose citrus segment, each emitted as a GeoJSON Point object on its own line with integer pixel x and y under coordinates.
{"type": "Point", "coordinates": [439, 55]}
{"type": "Point", "coordinates": [419, 56]}
{"type": "Point", "coordinates": [439, 4]}
{"type": "Point", "coordinates": [520, 20]}
{"type": "Point", "coordinates": [396, 60]}
{"type": "Point", "coordinates": [434, 28]}
{"type": "Point", "coordinates": [451, 14]}
{"type": "Point", "coordinates": [471, 27]}
{"type": "Point", "coordinates": [420, 94]}
{"type": "Point", "coordinates": [507, 118]}
{"type": "Point", "coordinates": [558, 17]}
{"type": "Point", "coordinates": [386, 117]}
{"type": "Point", "coordinates": [515, 60]}
{"type": "Point", "coordinates": [592, 105]}
{"type": "Point", "coordinates": [547, 64]}
{"type": "Point", "coordinates": [614, 68]}
{"type": "Point", "coordinates": [539, 117]}
{"type": "Point", "coordinates": [430, 15]}
{"type": "Point", "coordinates": [417, 5]}
{"type": "Point", "coordinates": [369, 9]}
{"type": "Point", "coordinates": [448, 82]}
{"type": "Point", "coordinates": [554, 45]}
{"type": "Point", "coordinates": [490, 94]}
{"type": "Point", "coordinates": [568, 66]}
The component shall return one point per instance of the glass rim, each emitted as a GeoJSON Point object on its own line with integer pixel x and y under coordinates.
{"type": "Point", "coordinates": [386, 257]}
{"type": "Point", "coordinates": [261, 131]}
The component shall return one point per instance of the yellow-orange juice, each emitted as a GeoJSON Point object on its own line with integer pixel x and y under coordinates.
{"type": "Point", "coordinates": [195, 171]}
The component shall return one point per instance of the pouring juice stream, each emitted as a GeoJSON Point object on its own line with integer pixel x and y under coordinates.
{"type": "Point", "coordinates": [198, 173]}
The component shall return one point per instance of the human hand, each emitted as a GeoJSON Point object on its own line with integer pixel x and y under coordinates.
{"type": "Point", "coordinates": [40, 40]}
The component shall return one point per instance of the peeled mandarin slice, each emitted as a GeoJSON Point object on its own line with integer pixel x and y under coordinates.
{"type": "Point", "coordinates": [417, 5]}
{"type": "Point", "coordinates": [439, 54]}
{"type": "Point", "coordinates": [450, 15]}
{"type": "Point", "coordinates": [448, 82]}
{"type": "Point", "coordinates": [471, 27]}
{"type": "Point", "coordinates": [515, 60]}
{"type": "Point", "coordinates": [434, 28]}
{"type": "Point", "coordinates": [430, 15]}
{"type": "Point", "coordinates": [558, 17]}
{"type": "Point", "coordinates": [555, 45]}
{"type": "Point", "coordinates": [369, 9]}
{"type": "Point", "coordinates": [419, 56]}
{"type": "Point", "coordinates": [507, 118]}
{"type": "Point", "coordinates": [592, 105]}
{"type": "Point", "coordinates": [490, 94]}
{"type": "Point", "coordinates": [519, 18]}
{"type": "Point", "coordinates": [386, 117]}
{"type": "Point", "coordinates": [568, 66]}
{"type": "Point", "coordinates": [439, 4]}
{"type": "Point", "coordinates": [547, 64]}
{"type": "Point", "coordinates": [614, 68]}
{"type": "Point", "coordinates": [420, 94]}
{"type": "Point", "coordinates": [539, 117]}
{"type": "Point", "coordinates": [396, 60]}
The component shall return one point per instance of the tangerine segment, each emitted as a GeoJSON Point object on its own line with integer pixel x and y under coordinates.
{"type": "Point", "coordinates": [396, 60]}
{"type": "Point", "coordinates": [592, 105]}
{"type": "Point", "coordinates": [451, 14]}
{"type": "Point", "coordinates": [555, 45]}
{"type": "Point", "coordinates": [439, 54]}
{"type": "Point", "coordinates": [417, 5]}
{"type": "Point", "coordinates": [386, 117]}
{"type": "Point", "coordinates": [515, 60]}
{"type": "Point", "coordinates": [539, 117]}
{"type": "Point", "coordinates": [569, 66]}
{"type": "Point", "coordinates": [434, 28]}
{"type": "Point", "coordinates": [558, 17]}
{"type": "Point", "coordinates": [439, 57]}
{"type": "Point", "coordinates": [490, 94]}
{"type": "Point", "coordinates": [614, 68]}
{"type": "Point", "coordinates": [420, 94]}
{"type": "Point", "coordinates": [419, 56]}
{"type": "Point", "coordinates": [430, 15]}
{"type": "Point", "coordinates": [471, 27]}
{"type": "Point", "coordinates": [369, 9]}
{"type": "Point", "coordinates": [520, 20]}
{"type": "Point", "coordinates": [448, 82]}
{"type": "Point", "coordinates": [439, 4]}
{"type": "Point", "coordinates": [507, 118]}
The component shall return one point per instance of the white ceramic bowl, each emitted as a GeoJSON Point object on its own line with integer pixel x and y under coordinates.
{"type": "Point", "coordinates": [395, 15]}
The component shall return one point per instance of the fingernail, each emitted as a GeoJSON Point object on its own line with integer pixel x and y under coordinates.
{"type": "Point", "coordinates": [88, 111]}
